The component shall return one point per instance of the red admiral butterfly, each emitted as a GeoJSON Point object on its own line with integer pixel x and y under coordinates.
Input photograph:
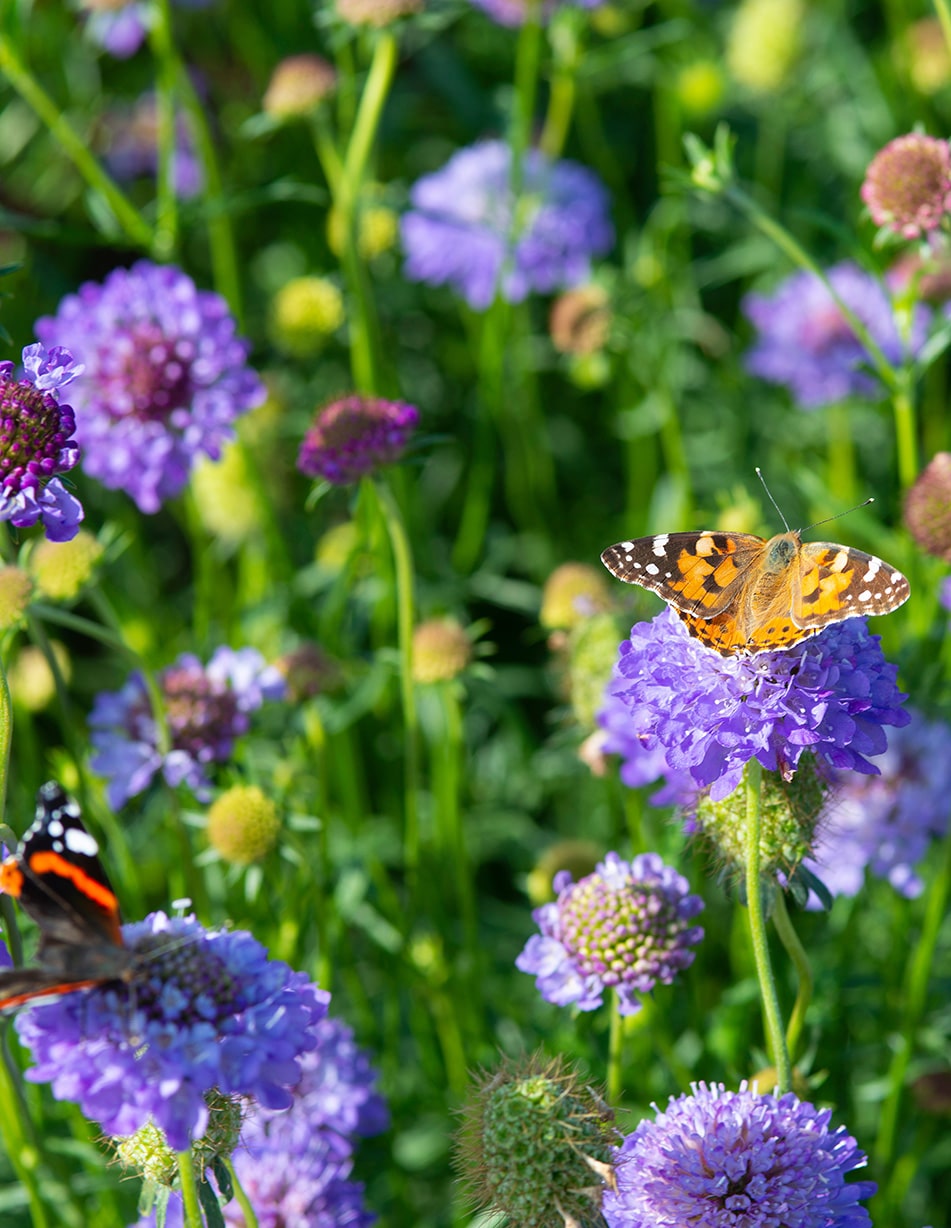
{"type": "Point", "coordinates": [58, 879]}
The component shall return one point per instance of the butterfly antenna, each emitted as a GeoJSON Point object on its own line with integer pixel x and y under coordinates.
{"type": "Point", "coordinates": [759, 474]}
{"type": "Point", "coordinates": [848, 510]}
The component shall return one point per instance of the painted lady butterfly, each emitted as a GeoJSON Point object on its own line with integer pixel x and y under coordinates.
{"type": "Point", "coordinates": [739, 593]}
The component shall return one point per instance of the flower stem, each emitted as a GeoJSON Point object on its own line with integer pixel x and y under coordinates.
{"type": "Point", "coordinates": [797, 953]}
{"type": "Point", "coordinates": [166, 210]}
{"type": "Point", "coordinates": [944, 17]}
{"type": "Point", "coordinates": [21, 1152]}
{"type": "Point", "coordinates": [247, 1211]}
{"type": "Point", "coordinates": [130, 221]}
{"type": "Point", "coordinates": [615, 1048]}
{"type": "Point", "coordinates": [565, 38]}
{"type": "Point", "coordinates": [841, 452]}
{"type": "Point", "coordinates": [772, 1018]}
{"type": "Point", "coordinates": [191, 1205]}
{"type": "Point", "coordinates": [905, 435]}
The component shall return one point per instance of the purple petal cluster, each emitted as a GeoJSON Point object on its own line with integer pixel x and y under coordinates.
{"type": "Point", "coordinates": [944, 593]}
{"type": "Point", "coordinates": [831, 694]}
{"type": "Point", "coordinates": [721, 1159]}
{"type": "Point", "coordinates": [625, 927]}
{"type": "Point", "coordinates": [36, 443]}
{"type": "Point", "coordinates": [205, 1009]}
{"type": "Point", "coordinates": [467, 230]}
{"type": "Point", "coordinates": [132, 148]}
{"type": "Point", "coordinates": [206, 708]}
{"type": "Point", "coordinates": [355, 436]}
{"type": "Point", "coordinates": [121, 29]}
{"type": "Point", "coordinates": [887, 822]}
{"type": "Point", "coordinates": [806, 343]}
{"type": "Point", "coordinates": [165, 377]}
{"type": "Point", "coordinates": [515, 12]}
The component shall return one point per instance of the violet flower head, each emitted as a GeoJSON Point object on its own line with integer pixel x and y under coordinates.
{"type": "Point", "coordinates": [206, 708]}
{"type": "Point", "coordinates": [205, 1009]}
{"type": "Point", "coordinates": [131, 147]}
{"type": "Point", "coordinates": [121, 28]}
{"type": "Point", "coordinates": [37, 443]}
{"type": "Point", "coordinates": [831, 694]}
{"type": "Point", "coordinates": [908, 185]}
{"type": "Point", "coordinates": [806, 343]}
{"type": "Point", "coordinates": [625, 927]}
{"type": "Point", "coordinates": [944, 593]}
{"type": "Point", "coordinates": [165, 377]}
{"type": "Point", "coordinates": [515, 12]}
{"type": "Point", "coordinates": [718, 1159]}
{"type": "Point", "coordinates": [887, 822]}
{"type": "Point", "coordinates": [355, 436]}
{"type": "Point", "coordinates": [467, 231]}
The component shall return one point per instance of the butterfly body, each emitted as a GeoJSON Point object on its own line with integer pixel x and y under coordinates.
{"type": "Point", "coordinates": [59, 881]}
{"type": "Point", "coordinates": [739, 593]}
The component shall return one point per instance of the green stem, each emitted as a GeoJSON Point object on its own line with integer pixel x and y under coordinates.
{"type": "Point", "coordinates": [772, 1018]}
{"type": "Point", "coordinates": [405, 605]}
{"type": "Point", "coordinates": [615, 1049]}
{"type": "Point", "coordinates": [166, 213]}
{"type": "Point", "coordinates": [191, 1205]}
{"type": "Point", "coordinates": [906, 435]}
{"type": "Point", "coordinates": [944, 17]}
{"type": "Point", "coordinates": [247, 1211]}
{"type": "Point", "coordinates": [136, 229]}
{"type": "Point", "coordinates": [21, 1152]}
{"type": "Point", "coordinates": [797, 953]}
{"type": "Point", "coordinates": [564, 34]}
{"type": "Point", "coordinates": [841, 452]}
{"type": "Point", "coordinates": [527, 56]}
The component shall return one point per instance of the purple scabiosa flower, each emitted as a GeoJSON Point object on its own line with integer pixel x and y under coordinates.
{"type": "Point", "coordinates": [625, 927]}
{"type": "Point", "coordinates": [908, 185]}
{"type": "Point", "coordinates": [466, 230]}
{"type": "Point", "coordinates": [719, 1159]}
{"type": "Point", "coordinates": [131, 148]}
{"type": "Point", "coordinates": [944, 593]}
{"type": "Point", "coordinates": [831, 694]}
{"type": "Point", "coordinates": [515, 12]}
{"type": "Point", "coordinates": [206, 708]}
{"type": "Point", "coordinates": [165, 377]}
{"type": "Point", "coordinates": [806, 343]}
{"type": "Point", "coordinates": [120, 26]}
{"type": "Point", "coordinates": [644, 758]}
{"type": "Point", "coordinates": [205, 1010]}
{"type": "Point", "coordinates": [355, 436]}
{"type": "Point", "coordinates": [887, 822]}
{"type": "Point", "coordinates": [36, 443]}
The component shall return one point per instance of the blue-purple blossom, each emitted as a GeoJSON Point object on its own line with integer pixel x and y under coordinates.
{"type": "Point", "coordinates": [806, 343]}
{"type": "Point", "coordinates": [515, 12]}
{"type": "Point", "coordinates": [36, 443]}
{"type": "Point", "coordinates": [121, 30]}
{"type": "Point", "coordinates": [887, 823]}
{"type": "Point", "coordinates": [467, 231]}
{"type": "Point", "coordinates": [206, 708]}
{"type": "Point", "coordinates": [165, 377]}
{"type": "Point", "coordinates": [944, 593]}
{"type": "Point", "coordinates": [131, 148]}
{"type": "Point", "coordinates": [721, 1159]}
{"type": "Point", "coordinates": [206, 1010]}
{"type": "Point", "coordinates": [354, 436]}
{"type": "Point", "coordinates": [625, 927]}
{"type": "Point", "coordinates": [831, 694]}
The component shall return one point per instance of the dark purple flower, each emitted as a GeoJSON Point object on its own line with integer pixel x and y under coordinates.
{"type": "Point", "coordinates": [131, 147]}
{"type": "Point", "coordinates": [165, 377]}
{"type": "Point", "coordinates": [207, 1009]}
{"type": "Point", "coordinates": [805, 342]}
{"type": "Point", "coordinates": [206, 708]}
{"type": "Point", "coordinates": [721, 1159]}
{"type": "Point", "coordinates": [515, 12]}
{"type": "Point", "coordinates": [355, 436]}
{"type": "Point", "coordinates": [37, 443]}
{"type": "Point", "coordinates": [466, 230]}
{"type": "Point", "coordinates": [887, 822]}
{"type": "Point", "coordinates": [831, 694]}
{"type": "Point", "coordinates": [625, 927]}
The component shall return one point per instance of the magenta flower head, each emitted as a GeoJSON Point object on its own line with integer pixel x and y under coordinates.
{"type": "Point", "coordinates": [206, 708]}
{"type": "Point", "coordinates": [466, 230]}
{"type": "Point", "coordinates": [165, 377]}
{"type": "Point", "coordinates": [806, 343]}
{"type": "Point", "coordinates": [355, 436]}
{"type": "Point", "coordinates": [719, 1159]}
{"type": "Point", "coordinates": [625, 927]}
{"type": "Point", "coordinates": [37, 443]}
{"type": "Point", "coordinates": [888, 822]}
{"type": "Point", "coordinates": [709, 715]}
{"type": "Point", "coordinates": [515, 12]}
{"type": "Point", "coordinates": [205, 1010]}
{"type": "Point", "coordinates": [908, 185]}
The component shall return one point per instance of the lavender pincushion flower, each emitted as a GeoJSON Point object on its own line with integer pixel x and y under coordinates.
{"type": "Point", "coordinates": [120, 28]}
{"type": "Point", "coordinates": [36, 443]}
{"type": "Point", "coordinates": [165, 377]}
{"type": "Point", "coordinates": [625, 927]}
{"type": "Point", "coordinates": [465, 230]}
{"type": "Point", "coordinates": [887, 822]}
{"type": "Point", "coordinates": [806, 343]}
{"type": "Point", "coordinates": [207, 1010]}
{"type": "Point", "coordinates": [354, 436]}
{"type": "Point", "coordinates": [719, 1159]}
{"type": "Point", "coordinates": [831, 694]}
{"type": "Point", "coordinates": [206, 708]}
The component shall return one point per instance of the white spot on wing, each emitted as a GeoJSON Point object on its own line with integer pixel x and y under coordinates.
{"type": "Point", "coordinates": [660, 544]}
{"type": "Point", "coordinates": [81, 842]}
{"type": "Point", "coordinates": [840, 562]}
{"type": "Point", "coordinates": [652, 569]}
{"type": "Point", "coordinates": [866, 595]}
{"type": "Point", "coordinates": [873, 570]}
{"type": "Point", "coordinates": [55, 828]}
